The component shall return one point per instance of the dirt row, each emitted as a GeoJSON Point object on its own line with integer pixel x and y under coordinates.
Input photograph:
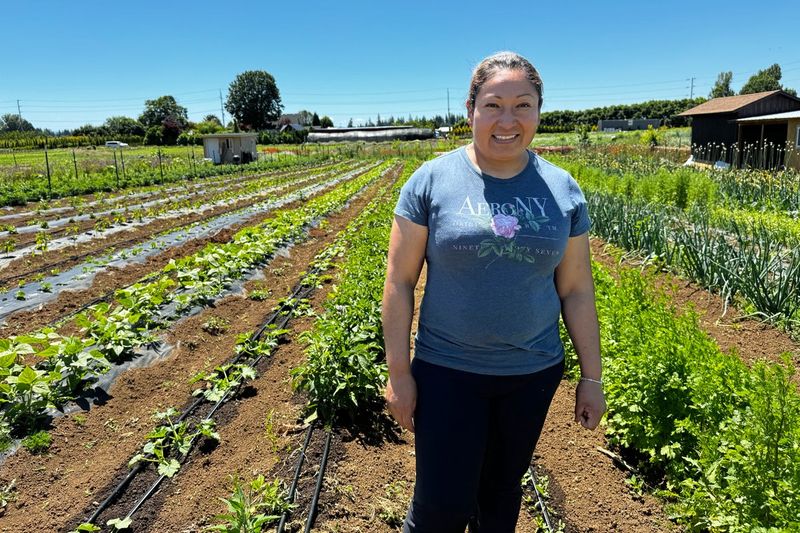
{"type": "Point", "coordinates": [370, 477]}
{"type": "Point", "coordinates": [369, 488]}
{"type": "Point", "coordinates": [66, 257]}
{"type": "Point", "coordinates": [90, 449]}
{"type": "Point", "coordinates": [114, 278]}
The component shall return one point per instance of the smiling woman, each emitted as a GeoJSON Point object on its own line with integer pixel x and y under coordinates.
{"type": "Point", "coordinates": [504, 236]}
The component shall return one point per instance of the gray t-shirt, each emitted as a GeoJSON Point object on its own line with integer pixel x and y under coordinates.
{"type": "Point", "coordinates": [490, 303]}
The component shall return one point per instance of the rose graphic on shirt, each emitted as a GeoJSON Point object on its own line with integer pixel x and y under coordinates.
{"type": "Point", "coordinates": [504, 242]}
{"type": "Point", "coordinates": [505, 225]}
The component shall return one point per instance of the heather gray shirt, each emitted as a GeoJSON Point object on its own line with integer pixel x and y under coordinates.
{"type": "Point", "coordinates": [490, 303]}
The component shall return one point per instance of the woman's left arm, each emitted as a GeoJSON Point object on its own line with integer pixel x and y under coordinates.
{"type": "Point", "coordinates": [575, 288]}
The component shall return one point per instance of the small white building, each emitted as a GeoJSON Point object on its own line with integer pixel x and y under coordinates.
{"type": "Point", "coordinates": [226, 148]}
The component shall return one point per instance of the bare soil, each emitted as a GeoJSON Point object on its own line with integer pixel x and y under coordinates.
{"type": "Point", "coordinates": [370, 475]}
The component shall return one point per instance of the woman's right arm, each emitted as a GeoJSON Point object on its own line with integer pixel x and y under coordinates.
{"type": "Point", "coordinates": [406, 253]}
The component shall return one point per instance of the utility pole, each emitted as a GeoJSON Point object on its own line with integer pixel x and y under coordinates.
{"type": "Point", "coordinates": [691, 89]}
{"type": "Point", "coordinates": [19, 112]}
{"type": "Point", "coordinates": [221, 108]}
{"type": "Point", "coordinates": [448, 107]}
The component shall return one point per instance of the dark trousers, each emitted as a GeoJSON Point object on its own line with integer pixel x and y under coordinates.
{"type": "Point", "coordinates": [475, 436]}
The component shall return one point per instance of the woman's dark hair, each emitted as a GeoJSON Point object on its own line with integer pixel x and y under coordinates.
{"type": "Point", "coordinates": [502, 61]}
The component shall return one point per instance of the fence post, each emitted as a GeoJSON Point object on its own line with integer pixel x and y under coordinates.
{"type": "Point", "coordinates": [116, 169]}
{"type": "Point", "coordinates": [47, 166]}
{"type": "Point", "coordinates": [160, 167]}
{"type": "Point", "coordinates": [75, 162]}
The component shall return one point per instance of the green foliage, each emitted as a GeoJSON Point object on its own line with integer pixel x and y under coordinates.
{"type": "Point", "coordinates": [344, 373]}
{"type": "Point", "coordinates": [768, 79]}
{"type": "Point", "coordinates": [38, 442]}
{"type": "Point", "coordinates": [222, 379]}
{"type": "Point", "coordinates": [566, 120]}
{"type": "Point", "coordinates": [721, 436]}
{"type": "Point", "coordinates": [325, 122]}
{"type": "Point", "coordinates": [10, 122]}
{"type": "Point", "coordinates": [172, 440]}
{"type": "Point", "coordinates": [254, 100]}
{"type": "Point", "coordinates": [164, 109]}
{"type": "Point", "coordinates": [252, 507]}
{"type": "Point", "coordinates": [722, 87]}
{"type": "Point", "coordinates": [216, 325]}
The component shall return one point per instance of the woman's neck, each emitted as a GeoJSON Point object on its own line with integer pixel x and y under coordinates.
{"type": "Point", "coordinates": [499, 169]}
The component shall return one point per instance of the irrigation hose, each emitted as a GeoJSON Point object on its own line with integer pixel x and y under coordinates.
{"type": "Point", "coordinates": [542, 506]}
{"type": "Point", "coordinates": [119, 488]}
{"type": "Point", "coordinates": [312, 513]}
{"type": "Point", "coordinates": [293, 488]}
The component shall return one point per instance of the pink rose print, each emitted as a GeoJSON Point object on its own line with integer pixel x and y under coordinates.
{"type": "Point", "coordinates": [505, 225]}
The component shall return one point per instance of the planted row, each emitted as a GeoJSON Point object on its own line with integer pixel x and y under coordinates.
{"type": "Point", "coordinates": [116, 329]}
{"type": "Point", "coordinates": [344, 372]}
{"type": "Point", "coordinates": [719, 438]}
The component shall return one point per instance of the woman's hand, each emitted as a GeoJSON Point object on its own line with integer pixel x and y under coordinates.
{"type": "Point", "coordinates": [401, 398]}
{"type": "Point", "coordinates": [590, 404]}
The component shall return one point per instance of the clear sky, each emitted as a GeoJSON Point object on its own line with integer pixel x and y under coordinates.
{"type": "Point", "coordinates": [78, 62]}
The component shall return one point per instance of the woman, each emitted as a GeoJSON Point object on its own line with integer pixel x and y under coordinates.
{"type": "Point", "coordinates": [504, 236]}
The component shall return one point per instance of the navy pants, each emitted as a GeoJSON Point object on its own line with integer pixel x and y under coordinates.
{"type": "Point", "coordinates": [475, 436]}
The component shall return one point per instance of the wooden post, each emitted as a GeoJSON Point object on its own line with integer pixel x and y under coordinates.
{"type": "Point", "coordinates": [75, 162]}
{"type": "Point", "coordinates": [160, 166]}
{"type": "Point", "coordinates": [47, 166]}
{"type": "Point", "coordinates": [116, 169]}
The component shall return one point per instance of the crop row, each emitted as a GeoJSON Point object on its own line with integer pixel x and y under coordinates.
{"type": "Point", "coordinates": [345, 371]}
{"type": "Point", "coordinates": [654, 180]}
{"type": "Point", "coordinates": [169, 444]}
{"type": "Point", "coordinates": [154, 202]}
{"type": "Point", "coordinates": [721, 440]}
{"type": "Point", "coordinates": [35, 293]}
{"type": "Point", "coordinates": [66, 181]}
{"type": "Point", "coordinates": [170, 207]}
{"type": "Point", "coordinates": [138, 311]}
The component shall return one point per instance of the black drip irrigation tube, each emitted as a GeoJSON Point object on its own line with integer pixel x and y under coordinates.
{"type": "Point", "coordinates": [293, 489]}
{"type": "Point", "coordinates": [284, 311]}
{"type": "Point", "coordinates": [540, 498]}
{"type": "Point", "coordinates": [312, 512]}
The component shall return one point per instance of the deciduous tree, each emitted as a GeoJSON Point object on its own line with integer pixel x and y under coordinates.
{"type": "Point", "coordinates": [254, 100]}
{"type": "Point", "coordinates": [10, 122]}
{"type": "Point", "coordinates": [722, 87]}
{"type": "Point", "coordinates": [163, 108]}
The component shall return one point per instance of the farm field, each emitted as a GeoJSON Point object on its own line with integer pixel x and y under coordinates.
{"type": "Point", "coordinates": [212, 331]}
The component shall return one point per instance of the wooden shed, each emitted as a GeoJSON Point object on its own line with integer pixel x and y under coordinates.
{"type": "Point", "coordinates": [716, 131]}
{"type": "Point", "coordinates": [226, 148]}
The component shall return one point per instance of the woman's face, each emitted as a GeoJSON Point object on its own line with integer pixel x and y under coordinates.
{"type": "Point", "coordinates": [505, 118]}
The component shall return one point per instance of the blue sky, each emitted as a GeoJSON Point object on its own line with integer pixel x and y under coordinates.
{"type": "Point", "coordinates": [76, 62]}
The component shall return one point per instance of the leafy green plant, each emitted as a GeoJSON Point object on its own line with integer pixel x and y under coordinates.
{"type": "Point", "coordinates": [216, 325]}
{"type": "Point", "coordinates": [392, 506]}
{"type": "Point", "coordinates": [252, 506]}
{"type": "Point", "coordinates": [222, 379]}
{"type": "Point", "coordinates": [38, 442]}
{"type": "Point", "coordinates": [8, 494]}
{"type": "Point", "coordinates": [172, 440]}
{"type": "Point", "coordinates": [259, 295]}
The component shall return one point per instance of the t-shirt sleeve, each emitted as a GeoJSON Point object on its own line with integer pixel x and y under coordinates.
{"type": "Point", "coordinates": [580, 213]}
{"type": "Point", "coordinates": [414, 200]}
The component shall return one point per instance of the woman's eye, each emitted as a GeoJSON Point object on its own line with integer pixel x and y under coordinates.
{"type": "Point", "coordinates": [524, 104]}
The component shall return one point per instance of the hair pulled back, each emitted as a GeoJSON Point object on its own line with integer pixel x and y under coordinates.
{"type": "Point", "coordinates": [496, 63]}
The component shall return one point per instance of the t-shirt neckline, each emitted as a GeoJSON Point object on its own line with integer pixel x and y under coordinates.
{"type": "Point", "coordinates": [488, 177]}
